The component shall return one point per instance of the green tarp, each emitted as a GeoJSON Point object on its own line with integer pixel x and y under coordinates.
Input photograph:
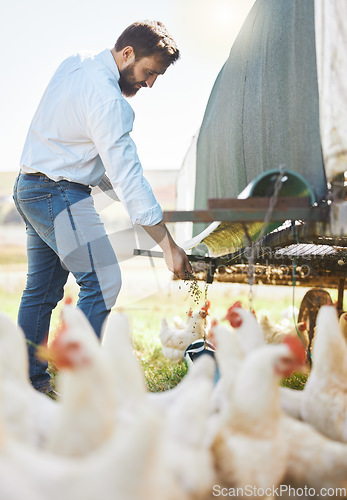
{"type": "Point", "coordinates": [263, 110]}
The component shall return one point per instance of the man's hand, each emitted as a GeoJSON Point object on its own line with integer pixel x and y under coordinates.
{"type": "Point", "coordinates": [174, 256]}
{"type": "Point", "coordinates": [177, 262]}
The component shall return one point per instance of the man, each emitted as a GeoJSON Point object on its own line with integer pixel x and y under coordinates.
{"type": "Point", "coordinates": [80, 131]}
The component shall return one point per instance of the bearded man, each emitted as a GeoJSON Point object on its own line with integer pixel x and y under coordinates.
{"type": "Point", "coordinates": [79, 138]}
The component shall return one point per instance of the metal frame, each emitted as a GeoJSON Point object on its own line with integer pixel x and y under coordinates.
{"type": "Point", "coordinates": [252, 210]}
{"type": "Point", "coordinates": [330, 270]}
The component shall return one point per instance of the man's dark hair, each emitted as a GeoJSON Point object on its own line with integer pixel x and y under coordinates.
{"type": "Point", "coordinates": [149, 38]}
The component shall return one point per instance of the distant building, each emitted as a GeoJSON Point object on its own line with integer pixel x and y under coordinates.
{"type": "Point", "coordinates": [163, 182]}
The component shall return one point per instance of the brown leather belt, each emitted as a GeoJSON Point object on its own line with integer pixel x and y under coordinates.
{"type": "Point", "coordinates": [33, 173]}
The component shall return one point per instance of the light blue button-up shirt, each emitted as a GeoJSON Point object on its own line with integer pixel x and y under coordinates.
{"type": "Point", "coordinates": [82, 129]}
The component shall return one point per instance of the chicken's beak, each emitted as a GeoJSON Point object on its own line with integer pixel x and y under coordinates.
{"type": "Point", "coordinates": [43, 353]}
{"type": "Point", "coordinates": [52, 353]}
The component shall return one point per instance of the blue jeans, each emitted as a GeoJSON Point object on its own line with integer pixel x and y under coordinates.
{"type": "Point", "coordinates": [64, 234]}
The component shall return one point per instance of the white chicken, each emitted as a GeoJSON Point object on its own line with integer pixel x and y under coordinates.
{"type": "Point", "coordinates": [258, 445]}
{"type": "Point", "coordinates": [126, 374]}
{"type": "Point", "coordinates": [27, 413]}
{"type": "Point", "coordinates": [180, 465]}
{"type": "Point", "coordinates": [275, 333]}
{"type": "Point", "coordinates": [249, 333]}
{"type": "Point", "coordinates": [324, 399]}
{"type": "Point", "coordinates": [233, 345]}
{"type": "Point", "coordinates": [291, 400]}
{"type": "Point", "coordinates": [229, 357]}
{"type": "Point", "coordinates": [175, 340]}
{"type": "Point", "coordinates": [87, 407]}
{"type": "Point", "coordinates": [251, 449]}
{"type": "Point", "coordinates": [28, 472]}
{"type": "Point", "coordinates": [183, 465]}
{"type": "Point", "coordinates": [116, 469]}
{"type": "Point", "coordinates": [314, 460]}
{"type": "Point", "coordinates": [121, 446]}
{"type": "Point", "coordinates": [10, 487]}
{"type": "Point", "coordinates": [249, 336]}
{"type": "Point", "coordinates": [178, 322]}
{"type": "Point", "coordinates": [182, 461]}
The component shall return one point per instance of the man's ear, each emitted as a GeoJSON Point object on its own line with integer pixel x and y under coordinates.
{"type": "Point", "coordinates": [128, 55]}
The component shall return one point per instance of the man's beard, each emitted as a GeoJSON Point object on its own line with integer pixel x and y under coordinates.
{"type": "Point", "coordinates": [127, 82]}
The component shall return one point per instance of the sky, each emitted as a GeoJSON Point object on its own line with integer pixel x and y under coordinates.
{"type": "Point", "coordinates": [37, 35]}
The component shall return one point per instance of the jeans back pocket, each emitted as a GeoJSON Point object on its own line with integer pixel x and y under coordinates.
{"type": "Point", "coordinates": [39, 212]}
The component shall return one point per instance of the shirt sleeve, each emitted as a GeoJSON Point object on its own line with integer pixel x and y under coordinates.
{"type": "Point", "coordinates": [110, 127]}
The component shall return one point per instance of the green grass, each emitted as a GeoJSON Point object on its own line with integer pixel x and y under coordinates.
{"type": "Point", "coordinates": [9, 303]}
{"type": "Point", "coordinates": [160, 374]}
{"type": "Point", "coordinates": [12, 258]}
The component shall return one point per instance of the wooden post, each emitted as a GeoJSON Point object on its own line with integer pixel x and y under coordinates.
{"type": "Point", "coordinates": [340, 290]}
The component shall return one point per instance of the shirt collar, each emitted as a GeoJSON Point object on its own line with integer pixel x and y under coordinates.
{"type": "Point", "coordinates": [108, 60]}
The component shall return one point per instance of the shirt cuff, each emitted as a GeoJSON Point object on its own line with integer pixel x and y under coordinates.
{"type": "Point", "coordinates": [149, 218]}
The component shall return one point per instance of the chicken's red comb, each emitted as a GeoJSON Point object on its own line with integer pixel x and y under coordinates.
{"type": "Point", "coordinates": [206, 307]}
{"type": "Point", "coordinates": [68, 300]}
{"type": "Point", "coordinates": [233, 316]}
{"type": "Point", "coordinates": [237, 305]}
{"type": "Point", "coordinates": [297, 348]}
